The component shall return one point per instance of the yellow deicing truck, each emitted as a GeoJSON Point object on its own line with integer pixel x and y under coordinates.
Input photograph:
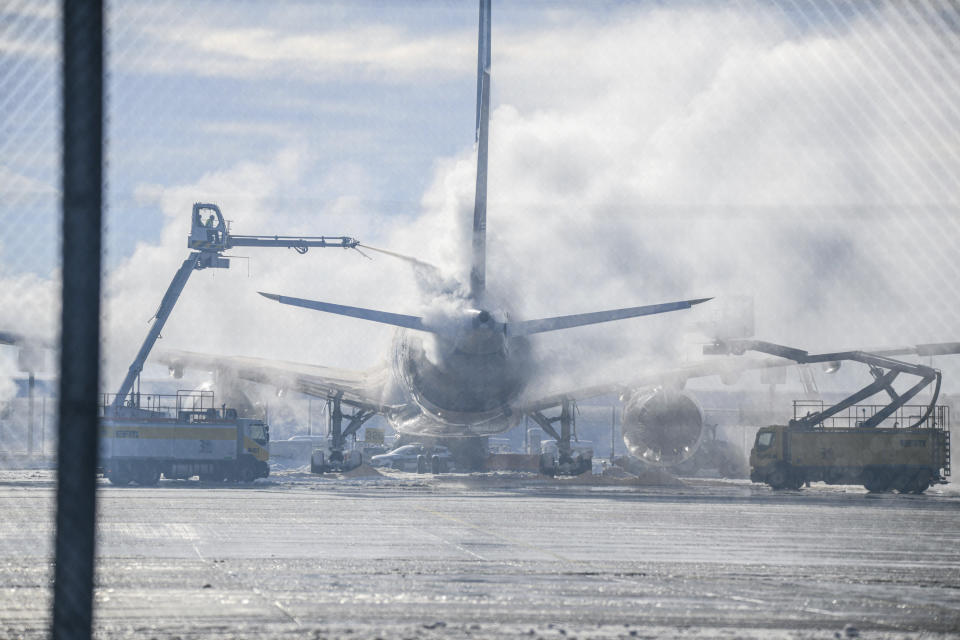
{"type": "Point", "coordinates": [140, 440]}
{"type": "Point", "coordinates": [909, 460]}
{"type": "Point", "coordinates": [891, 446]}
{"type": "Point", "coordinates": [180, 437]}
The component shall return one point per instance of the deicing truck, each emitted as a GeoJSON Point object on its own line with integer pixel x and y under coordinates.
{"type": "Point", "coordinates": [182, 436]}
{"type": "Point", "coordinates": [909, 460]}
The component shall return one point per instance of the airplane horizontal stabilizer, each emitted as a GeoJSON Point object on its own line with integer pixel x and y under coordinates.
{"type": "Point", "coordinates": [527, 327]}
{"type": "Point", "coordinates": [384, 317]}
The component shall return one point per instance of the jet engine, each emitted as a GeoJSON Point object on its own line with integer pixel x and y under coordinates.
{"type": "Point", "coordinates": [662, 426]}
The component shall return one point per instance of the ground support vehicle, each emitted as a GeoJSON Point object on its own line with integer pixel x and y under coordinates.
{"type": "Point", "coordinates": [416, 457]}
{"type": "Point", "coordinates": [181, 436]}
{"type": "Point", "coordinates": [139, 442]}
{"type": "Point", "coordinates": [908, 460]}
{"type": "Point", "coordinates": [208, 241]}
{"type": "Point", "coordinates": [892, 446]}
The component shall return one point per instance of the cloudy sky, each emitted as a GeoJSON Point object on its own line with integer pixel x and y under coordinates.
{"type": "Point", "coordinates": [803, 153]}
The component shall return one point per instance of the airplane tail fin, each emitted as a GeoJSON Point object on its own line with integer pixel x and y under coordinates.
{"type": "Point", "coordinates": [478, 264]}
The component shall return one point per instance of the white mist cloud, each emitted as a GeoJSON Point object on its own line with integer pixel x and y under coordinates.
{"type": "Point", "coordinates": [687, 153]}
{"type": "Point", "coordinates": [220, 311]}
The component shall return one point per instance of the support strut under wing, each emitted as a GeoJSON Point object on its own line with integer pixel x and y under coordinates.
{"type": "Point", "coordinates": [338, 437]}
{"type": "Point", "coordinates": [568, 461]}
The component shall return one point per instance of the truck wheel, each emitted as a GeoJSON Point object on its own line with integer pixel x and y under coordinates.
{"type": "Point", "coordinates": [875, 480]}
{"type": "Point", "coordinates": [795, 480]}
{"type": "Point", "coordinates": [119, 476]}
{"type": "Point", "coordinates": [147, 474]}
{"type": "Point", "coordinates": [435, 464]}
{"type": "Point", "coordinates": [421, 463]}
{"type": "Point", "coordinates": [920, 482]}
{"type": "Point", "coordinates": [777, 478]}
{"type": "Point", "coordinates": [247, 472]}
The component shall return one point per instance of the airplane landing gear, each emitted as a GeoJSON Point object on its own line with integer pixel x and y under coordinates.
{"type": "Point", "coordinates": [338, 460]}
{"type": "Point", "coordinates": [567, 460]}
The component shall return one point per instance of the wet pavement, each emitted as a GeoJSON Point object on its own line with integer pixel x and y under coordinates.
{"type": "Point", "coordinates": [407, 556]}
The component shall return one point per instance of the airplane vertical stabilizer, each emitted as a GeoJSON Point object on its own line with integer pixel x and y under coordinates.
{"type": "Point", "coordinates": [478, 264]}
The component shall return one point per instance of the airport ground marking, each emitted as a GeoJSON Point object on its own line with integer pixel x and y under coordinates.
{"type": "Point", "coordinates": [457, 546]}
{"type": "Point", "coordinates": [519, 543]}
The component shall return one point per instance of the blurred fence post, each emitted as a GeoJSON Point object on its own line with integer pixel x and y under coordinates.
{"type": "Point", "coordinates": [80, 317]}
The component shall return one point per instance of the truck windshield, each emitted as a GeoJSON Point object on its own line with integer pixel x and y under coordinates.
{"type": "Point", "coordinates": [258, 432]}
{"type": "Point", "coordinates": [765, 439]}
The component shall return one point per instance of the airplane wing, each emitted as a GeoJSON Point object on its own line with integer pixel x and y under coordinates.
{"type": "Point", "coordinates": [367, 389]}
{"type": "Point", "coordinates": [674, 377]}
{"type": "Point", "coordinates": [718, 365]}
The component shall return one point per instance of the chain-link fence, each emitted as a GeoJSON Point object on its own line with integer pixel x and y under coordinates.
{"type": "Point", "coordinates": [804, 154]}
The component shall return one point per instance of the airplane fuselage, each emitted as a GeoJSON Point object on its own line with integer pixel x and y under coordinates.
{"type": "Point", "coordinates": [463, 381]}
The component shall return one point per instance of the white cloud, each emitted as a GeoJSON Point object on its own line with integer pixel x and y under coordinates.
{"type": "Point", "coordinates": [369, 52]}
{"type": "Point", "coordinates": [42, 49]}
{"type": "Point", "coordinates": [46, 9]}
{"type": "Point", "coordinates": [17, 184]}
{"type": "Point", "coordinates": [220, 311]}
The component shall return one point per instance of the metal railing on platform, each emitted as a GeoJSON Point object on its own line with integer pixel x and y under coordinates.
{"type": "Point", "coordinates": [855, 415]}
{"type": "Point", "coordinates": [168, 405]}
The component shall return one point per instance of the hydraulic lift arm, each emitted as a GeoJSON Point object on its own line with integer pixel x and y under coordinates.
{"type": "Point", "coordinates": [883, 368]}
{"type": "Point", "coordinates": [160, 318]}
{"type": "Point", "coordinates": [208, 240]}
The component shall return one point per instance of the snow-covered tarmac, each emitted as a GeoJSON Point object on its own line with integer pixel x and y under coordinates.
{"type": "Point", "coordinates": [405, 556]}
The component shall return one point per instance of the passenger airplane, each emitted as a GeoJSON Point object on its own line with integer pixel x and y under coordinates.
{"type": "Point", "coordinates": [460, 374]}
{"type": "Point", "coordinates": [464, 373]}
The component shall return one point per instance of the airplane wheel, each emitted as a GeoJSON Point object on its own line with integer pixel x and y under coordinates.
{"type": "Point", "coordinates": [548, 464]}
{"type": "Point", "coordinates": [317, 462]}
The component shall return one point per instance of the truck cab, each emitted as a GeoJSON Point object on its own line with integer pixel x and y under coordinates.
{"type": "Point", "coordinates": [255, 443]}
{"type": "Point", "coordinates": [767, 447]}
{"type": "Point", "coordinates": [768, 459]}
